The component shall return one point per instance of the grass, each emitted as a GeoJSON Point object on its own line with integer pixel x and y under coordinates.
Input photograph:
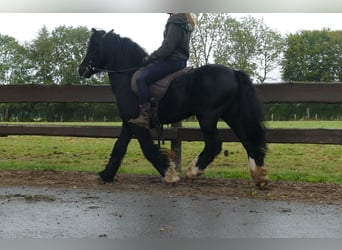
{"type": "Point", "coordinates": [290, 162]}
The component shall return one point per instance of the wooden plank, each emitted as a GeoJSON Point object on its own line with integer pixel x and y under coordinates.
{"type": "Point", "coordinates": [269, 93]}
{"type": "Point", "coordinates": [57, 130]}
{"type": "Point", "coordinates": [300, 92]}
{"type": "Point", "coordinates": [194, 134]}
{"type": "Point", "coordinates": [309, 136]}
{"type": "Point", "coordinates": [73, 131]}
{"type": "Point", "coordinates": [36, 93]}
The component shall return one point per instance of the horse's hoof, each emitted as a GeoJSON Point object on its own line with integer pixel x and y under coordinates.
{"type": "Point", "coordinates": [262, 185]}
{"type": "Point", "coordinates": [260, 177]}
{"type": "Point", "coordinates": [171, 175]}
{"type": "Point", "coordinates": [170, 180]}
{"type": "Point", "coordinates": [192, 170]}
{"type": "Point", "coordinates": [105, 178]}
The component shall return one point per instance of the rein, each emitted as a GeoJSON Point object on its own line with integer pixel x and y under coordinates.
{"type": "Point", "coordinates": [115, 71]}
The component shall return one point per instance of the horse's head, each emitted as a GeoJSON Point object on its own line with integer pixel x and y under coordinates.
{"type": "Point", "coordinates": [108, 51]}
{"type": "Point", "coordinates": [93, 59]}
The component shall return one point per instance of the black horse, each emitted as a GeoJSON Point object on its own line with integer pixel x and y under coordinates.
{"type": "Point", "coordinates": [210, 93]}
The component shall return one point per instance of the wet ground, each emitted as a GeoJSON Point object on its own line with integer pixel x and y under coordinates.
{"type": "Point", "coordinates": [144, 207]}
{"type": "Point", "coordinates": [28, 212]}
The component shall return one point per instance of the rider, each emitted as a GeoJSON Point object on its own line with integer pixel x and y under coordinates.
{"type": "Point", "coordinates": [171, 56]}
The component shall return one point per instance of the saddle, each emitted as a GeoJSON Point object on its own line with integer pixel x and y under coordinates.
{"type": "Point", "coordinates": [158, 88]}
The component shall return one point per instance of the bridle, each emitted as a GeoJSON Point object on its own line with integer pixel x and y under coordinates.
{"type": "Point", "coordinates": [89, 67]}
{"type": "Point", "coordinates": [115, 71]}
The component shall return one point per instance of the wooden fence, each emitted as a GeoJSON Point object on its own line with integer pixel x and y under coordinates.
{"type": "Point", "coordinates": [269, 93]}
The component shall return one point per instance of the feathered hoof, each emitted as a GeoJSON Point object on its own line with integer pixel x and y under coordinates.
{"type": "Point", "coordinates": [192, 171]}
{"type": "Point", "coordinates": [171, 175]}
{"type": "Point", "coordinates": [260, 177]}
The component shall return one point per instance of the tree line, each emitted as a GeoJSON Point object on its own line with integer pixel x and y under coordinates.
{"type": "Point", "coordinates": [247, 44]}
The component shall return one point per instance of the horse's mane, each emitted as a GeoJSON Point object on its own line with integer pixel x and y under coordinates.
{"type": "Point", "coordinates": [122, 52]}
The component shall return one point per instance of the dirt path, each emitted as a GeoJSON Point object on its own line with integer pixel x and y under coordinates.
{"type": "Point", "coordinates": [217, 188]}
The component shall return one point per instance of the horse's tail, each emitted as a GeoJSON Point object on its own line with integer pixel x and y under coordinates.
{"type": "Point", "coordinates": [251, 113]}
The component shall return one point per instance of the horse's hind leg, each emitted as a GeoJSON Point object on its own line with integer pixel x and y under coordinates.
{"type": "Point", "coordinates": [212, 148]}
{"type": "Point", "coordinates": [254, 143]}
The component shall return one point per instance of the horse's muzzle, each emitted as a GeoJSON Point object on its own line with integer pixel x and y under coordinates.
{"type": "Point", "coordinates": [85, 71]}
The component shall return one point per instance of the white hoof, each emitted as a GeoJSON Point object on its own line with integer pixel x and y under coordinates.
{"type": "Point", "coordinates": [192, 170]}
{"type": "Point", "coordinates": [171, 175]}
{"type": "Point", "coordinates": [258, 173]}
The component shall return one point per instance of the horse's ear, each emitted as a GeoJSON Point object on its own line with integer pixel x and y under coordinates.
{"type": "Point", "coordinates": [109, 32]}
{"type": "Point", "coordinates": [93, 30]}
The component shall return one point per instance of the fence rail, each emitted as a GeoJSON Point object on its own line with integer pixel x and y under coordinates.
{"type": "Point", "coordinates": [279, 135]}
{"type": "Point", "coordinates": [269, 93]}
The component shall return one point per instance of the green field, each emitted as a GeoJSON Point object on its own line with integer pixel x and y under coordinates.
{"type": "Point", "coordinates": [293, 162]}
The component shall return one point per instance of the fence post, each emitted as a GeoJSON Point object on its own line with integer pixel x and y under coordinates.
{"type": "Point", "coordinates": [176, 147]}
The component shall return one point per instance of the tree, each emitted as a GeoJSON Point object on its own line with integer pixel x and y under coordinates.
{"type": "Point", "coordinates": [313, 56]}
{"type": "Point", "coordinates": [13, 58]}
{"type": "Point", "coordinates": [237, 46]}
{"type": "Point", "coordinates": [251, 46]}
{"type": "Point", "coordinates": [55, 56]}
{"type": "Point", "coordinates": [69, 45]}
{"type": "Point", "coordinates": [270, 45]}
{"type": "Point", "coordinates": [13, 61]}
{"type": "Point", "coordinates": [336, 54]}
{"type": "Point", "coordinates": [41, 56]}
{"type": "Point", "coordinates": [247, 44]}
{"type": "Point", "coordinates": [205, 37]}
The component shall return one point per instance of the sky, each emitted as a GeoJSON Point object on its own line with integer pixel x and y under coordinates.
{"type": "Point", "coordinates": [147, 28]}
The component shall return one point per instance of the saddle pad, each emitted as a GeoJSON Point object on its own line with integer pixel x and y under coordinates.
{"type": "Point", "coordinates": [158, 88]}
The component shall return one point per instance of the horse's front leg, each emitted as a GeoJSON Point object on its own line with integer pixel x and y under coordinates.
{"type": "Point", "coordinates": [118, 152]}
{"type": "Point", "coordinates": [159, 158]}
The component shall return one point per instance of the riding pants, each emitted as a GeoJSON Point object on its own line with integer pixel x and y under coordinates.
{"type": "Point", "coordinates": [152, 73]}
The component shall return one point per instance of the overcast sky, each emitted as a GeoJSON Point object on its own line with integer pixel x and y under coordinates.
{"type": "Point", "coordinates": [147, 28]}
